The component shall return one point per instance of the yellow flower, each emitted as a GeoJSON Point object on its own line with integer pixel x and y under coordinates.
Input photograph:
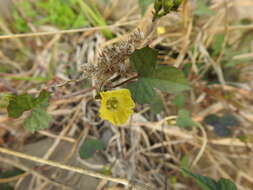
{"type": "Point", "coordinates": [161, 30]}
{"type": "Point", "coordinates": [116, 106]}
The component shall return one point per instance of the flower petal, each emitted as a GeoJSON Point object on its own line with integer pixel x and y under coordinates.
{"type": "Point", "coordinates": [124, 109]}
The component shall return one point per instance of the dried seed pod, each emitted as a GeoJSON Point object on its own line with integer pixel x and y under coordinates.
{"type": "Point", "coordinates": [111, 59]}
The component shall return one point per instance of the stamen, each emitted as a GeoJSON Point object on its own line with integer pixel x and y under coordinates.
{"type": "Point", "coordinates": [112, 104]}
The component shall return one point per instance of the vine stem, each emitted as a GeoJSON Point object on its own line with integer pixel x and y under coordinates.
{"type": "Point", "coordinates": [63, 166]}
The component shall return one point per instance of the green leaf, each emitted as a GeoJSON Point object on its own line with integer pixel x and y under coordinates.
{"type": "Point", "coordinates": [219, 39]}
{"type": "Point", "coordinates": [144, 61]}
{"type": "Point", "coordinates": [5, 99]}
{"type": "Point", "coordinates": [212, 119]}
{"type": "Point", "coordinates": [222, 131]}
{"type": "Point", "coordinates": [19, 104]}
{"type": "Point", "coordinates": [89, 147]}
{"type": "Point", "coordinates": [185, 162]}
{"type": "Point", "coordinates": [38, 120]}
{"type": "Point", "coordinates": [187, 69]}
{"type": "Point", "coordinates": [244, 138]}
{"type": "Point", "coordinates": [226, 184]}
{"type": "Point", "coordinates": [206, 183]}
{"type": "Point", "coordinates": [221, 124]}
{"type": "Point", "coordinates": [142, 92]}
{"type": "Point", "coordinates": [24, 102]}
{"type": "Point", "coordinates": [228, 120]}
{"type": "Point", "coordinates": [203, 9]}
{"type": "Point", "coordinates": [164, 7]}
{"type": "Point", "coordinates": [184, 119]}
{"type": "Point", "coordinates": [156, 106]}
{"type": "Point", "coordinates": [94, 16]}
{"type": "Point", "coordinates": [179, 101]}
{"type": "Point", "coordinates": [11, 173]}
{"type": "Point", "coordinates": [42, 99]}
{"type": "Point", "coordinates": [144, 5]}
{"type": "Point", "coordinates": [173, 181]}
{"type": "Point", "coordinates": [37, 79]}
{"type": "Point", "coordinates": [169, 79]}
{"type": "Point", "coordinates": [107, 171]}
{"type": "Point", "coordinates": [163, 77]}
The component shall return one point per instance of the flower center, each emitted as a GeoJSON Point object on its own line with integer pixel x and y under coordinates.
{"type": "Point", "coordinates": [112, 104]}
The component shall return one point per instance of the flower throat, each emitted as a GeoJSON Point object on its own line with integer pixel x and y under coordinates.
{"type": "Point", "coordinates": [112, 104]}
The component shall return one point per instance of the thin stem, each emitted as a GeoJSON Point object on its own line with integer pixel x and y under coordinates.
{"type": "Point", "coordinates": [63, 166]}
{"type": "Point", "coordinates": [123, 82]}
{"type": "Point", "coordinates": [11, 36]}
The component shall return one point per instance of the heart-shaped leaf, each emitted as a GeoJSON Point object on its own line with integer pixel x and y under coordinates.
{"type": "Point", "coordinates": [89, 147]}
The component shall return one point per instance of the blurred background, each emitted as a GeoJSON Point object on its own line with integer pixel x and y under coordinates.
{"type": "Point", "coordinates": [43, 44]}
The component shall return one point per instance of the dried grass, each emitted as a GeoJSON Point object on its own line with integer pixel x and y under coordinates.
{"type": "Point", "coordinates": [146, 153]}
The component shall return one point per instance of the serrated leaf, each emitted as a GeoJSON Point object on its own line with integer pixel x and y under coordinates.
{"type": "Point", "coordinates": [184, 119]}
{"type": "Point", "coordinates": [226, 184]}
{"type": "Point", "coordinates": [24, 102]}
{"type": "Point", "coordinates": [19, 104]}
{"type": "Point", "coordinates": [163, 77]}
{"type": "Point", "coordinates": [39, 119]}
{"type": "Point", "coordinates": [169, 79]}
{"type": "Point", "coordinates": [166, 78]}
{"type": "Point", "coordinates": [142, 92]}
{"type": "Point", "coordinates": [89, 147]}
{"type": "Point", "coordinates": [144, 61]}
{"type": "Point", "coordinates": [206, 183]}
{"type": "Point", "coordinates": [144, 5]}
